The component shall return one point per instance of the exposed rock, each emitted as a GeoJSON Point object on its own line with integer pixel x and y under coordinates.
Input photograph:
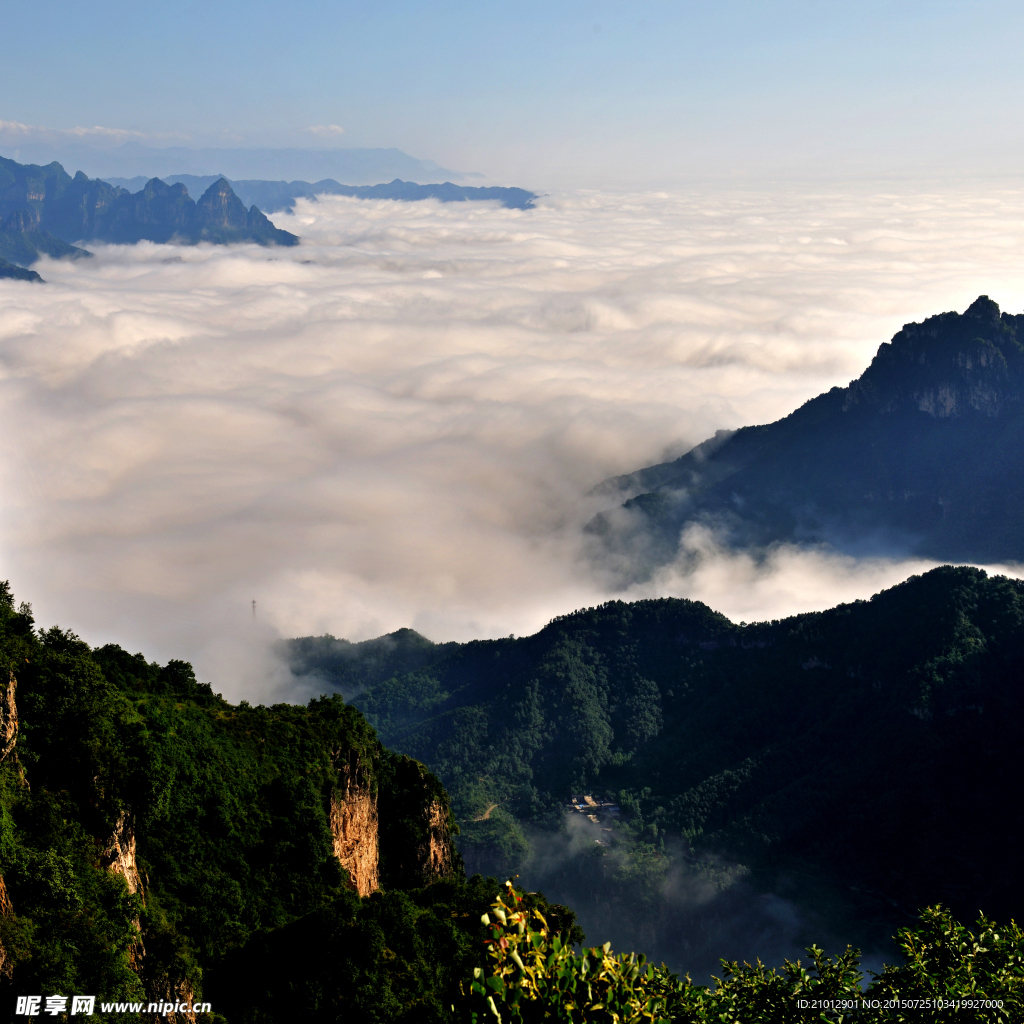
{"type": "Point", "coordinates": [118, 856]}
{"type": "Point", "coordinates": [8, 718]}
{"type": "Point", "coordinates": [436, 857]}
{"type": "Point", "coordinates": [172, 993]}
{"type": "Point", "coordinates": [354, 825]}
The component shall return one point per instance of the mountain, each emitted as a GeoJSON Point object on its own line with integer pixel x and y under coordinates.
{"type": "Point", "coordinates": [362, 166]}
{"type": "Point", "coordinates": [82, 208]}
{"type": "Point", "coordinates": [351, 668]}
{"type": "Point", "coordinates": [272, 196]}
{"type": "Point", "coordinates": [177, 858]}
{"type": "Point", "coordinates": [152, 837]}
{"type": "Point", "coordinates": [16, 273]}
{"type": "Point", "coordinates": [863, 750]}
{"type": "Point", "coordinates": [922, 454]}
{"type": "Point", "coordinates": [22, 241]}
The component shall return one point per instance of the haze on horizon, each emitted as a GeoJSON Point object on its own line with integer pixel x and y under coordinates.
{"type": "Point", "coordinates": [542, 96]}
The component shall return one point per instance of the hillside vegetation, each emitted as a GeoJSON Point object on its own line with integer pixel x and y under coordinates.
{"type": "Point", "coordinates": [869, 747]}
{"type": "Point", "coordinates": [158, 844]}
{"type": "Point", "coordinates": [154, 838]}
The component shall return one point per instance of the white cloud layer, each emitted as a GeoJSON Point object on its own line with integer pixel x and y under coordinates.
{"type": "Point", "coordinates": [397, 422]}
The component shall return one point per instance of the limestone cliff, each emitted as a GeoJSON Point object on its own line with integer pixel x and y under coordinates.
{"type": "Point", "coordinates": [437, 856]}
{"type": "Point", "coordinates": [354, 825]}
{"type": "Point", "coordinates": [118, 854]}
{"type": "Point", "coordinates": [392, 823]}
{"type": "Point", "coordinates": [8, 717]}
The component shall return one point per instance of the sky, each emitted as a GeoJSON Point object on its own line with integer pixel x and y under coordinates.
{"type": "Point", "coordinates": [596, 94]}
{"type": "Point", "coordinates": [400, 422]}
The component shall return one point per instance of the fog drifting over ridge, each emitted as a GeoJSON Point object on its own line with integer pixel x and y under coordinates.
{"type": "Point", "coordinates": [398, 422]}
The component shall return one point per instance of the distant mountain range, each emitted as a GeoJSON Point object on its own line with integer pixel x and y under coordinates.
{"type": "Point", "coordinates": [272, 196]}
{"type": "Point", "coordinates": [923, 454]}
{"type": "Point", "coordinates": [43, 210]}
{"type": "Point", "coordinates": [359, 166]}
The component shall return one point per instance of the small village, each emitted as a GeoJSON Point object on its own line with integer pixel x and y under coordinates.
{"type": "Point", "coordinates": [599, 812]}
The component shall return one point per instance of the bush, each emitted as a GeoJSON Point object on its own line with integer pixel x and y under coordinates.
{"type": "Point", "coordinates": [950, 975]}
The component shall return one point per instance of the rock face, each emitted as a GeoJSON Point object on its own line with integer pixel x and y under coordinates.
{"type": "Point", "coordinates": [8, 739]}
{"type": "Point", "coordinates": [355, 827]}
{"type": "Point", "coordinates": [8, 717]}
{"type": "Point", "coordinates": [22, 241]}
{"type": "Point", "coordinates": [922, 455]}
{"type": "Point", "coordinates": [437, 858]}
{"type": "Point", "coordinates": [118, 856]}
{"type": "Point", "coordinates": [394, 830]}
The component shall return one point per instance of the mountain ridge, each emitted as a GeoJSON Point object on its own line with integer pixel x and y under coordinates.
{"type": "Point", "coordinates": [274, 196]}
{"type": "Point", "coordinates": [45, 210]}
{"type": "Point", "coordinates": [923, 454]}
{"type": "Point", "coordinates": [838, 747]}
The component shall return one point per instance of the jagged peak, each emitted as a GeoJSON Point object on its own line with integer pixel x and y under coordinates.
{"type": "Point", "coordinates": [220, 187]}
{"type": "Point", "coordinates": [983, 308]}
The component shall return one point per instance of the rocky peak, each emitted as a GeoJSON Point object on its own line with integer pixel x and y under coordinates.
{"type": "Point", "coordinates": [984, 310]}
{"type": "Point", "coordinates": [952, 364]}
{"type": "Point", "coordinates": [219, 207]}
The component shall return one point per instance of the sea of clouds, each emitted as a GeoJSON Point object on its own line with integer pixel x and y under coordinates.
{"type": "Point", "coordinates": [398, 422]}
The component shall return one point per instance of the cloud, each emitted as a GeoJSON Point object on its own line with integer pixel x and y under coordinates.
{"type": "Point", "coordinates": [14, 132]}
{"type": "Point", "coordinates": [326, 130]}
{"type": "Point", "coordinates": [398, 422]}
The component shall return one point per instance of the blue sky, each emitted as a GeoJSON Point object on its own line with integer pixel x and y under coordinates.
{"type": "Point", "coordinates": [544, 92]}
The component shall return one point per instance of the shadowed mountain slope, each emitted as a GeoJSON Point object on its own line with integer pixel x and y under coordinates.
{"type": "Point", "coordinates": [923, 453]}
{"type": "Point", "coordinates": [13, 272]}
{"type": "Point", "coordinates": [63, 209]}
{"type": "Point", "coordinates": [22, 241]}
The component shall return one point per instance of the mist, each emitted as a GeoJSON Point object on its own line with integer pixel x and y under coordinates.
{"type": "Point", "coordinates": [689, 909]}
{"type": "Point", "coordinates": [401, 421]}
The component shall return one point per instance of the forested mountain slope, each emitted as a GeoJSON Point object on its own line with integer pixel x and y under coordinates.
{"type": "Point", "coordinates": [876, 743]}
{"type": "Point", "coordinates": [154, 837]}
{"type": "Point", "coordinates": [924, 453]}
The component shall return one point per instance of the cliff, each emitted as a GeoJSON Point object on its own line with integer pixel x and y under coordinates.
{"type": "Point", "coordinates": [354, 825]}
{"type": "Point", "coordinates": [921, 455]}
{"type": "Point", "coordinates": [418, 827]}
